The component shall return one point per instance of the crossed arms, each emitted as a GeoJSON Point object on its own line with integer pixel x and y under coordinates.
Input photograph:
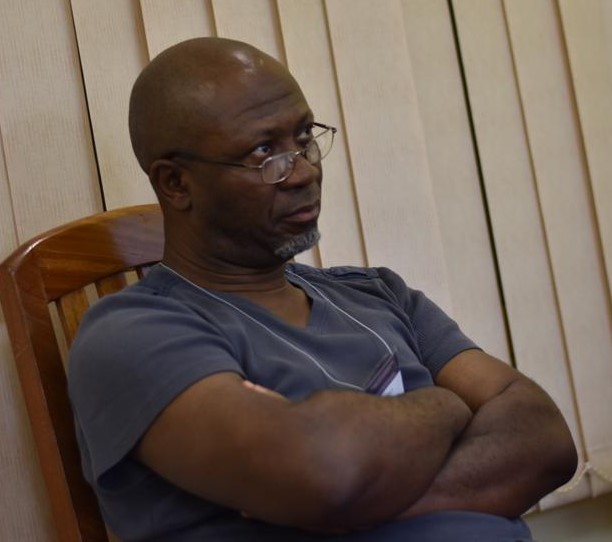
{"type": "Point", "coordinates": [485, 438]}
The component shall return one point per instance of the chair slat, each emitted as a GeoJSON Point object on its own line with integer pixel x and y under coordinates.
{"type": "Point", "coordinates": [111, 285]}
{"type": "Point", "coordinates": [71, 309]}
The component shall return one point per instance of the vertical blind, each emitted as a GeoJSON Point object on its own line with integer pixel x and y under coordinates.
{"type": "Point", "coordinates": [473, 157]}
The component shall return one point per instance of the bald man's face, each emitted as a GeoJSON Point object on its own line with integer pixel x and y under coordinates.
{"type": "Point", "coordinates": [255, 115]}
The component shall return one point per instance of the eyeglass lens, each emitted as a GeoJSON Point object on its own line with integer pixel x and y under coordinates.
{"type": "Point", "coordinates": [278, 168]}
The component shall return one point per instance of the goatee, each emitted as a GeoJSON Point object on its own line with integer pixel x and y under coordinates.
{"type": "Point", "coordinates": [298, 243]}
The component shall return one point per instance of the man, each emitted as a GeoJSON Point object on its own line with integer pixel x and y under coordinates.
{"type": "Point", "coordinates": [233, 396]}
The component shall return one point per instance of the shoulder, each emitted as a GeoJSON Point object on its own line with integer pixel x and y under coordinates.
{"type": "Point", "coordinates": [379, 280]}
{"type": "Point", "coordinates": [119, 313]}
{"type": "Point", "coordinates": [345, 273]}
{"type": "Point", "coordinates": [157, 293]}
{"type": "Point", "coordinates": [134, 323]}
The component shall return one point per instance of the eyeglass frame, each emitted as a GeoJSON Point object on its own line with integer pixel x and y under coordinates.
{"type": "Point", "coordinates": [188, 155]}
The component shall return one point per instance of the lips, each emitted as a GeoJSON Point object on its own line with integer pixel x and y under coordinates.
{"type": "Point", "coordinates": [305, 213]}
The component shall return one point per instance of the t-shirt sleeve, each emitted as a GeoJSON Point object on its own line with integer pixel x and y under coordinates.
{"type": "Point", "coordinates": [133, 355]}
{"type": "Point", "coordinates": [438, 336]}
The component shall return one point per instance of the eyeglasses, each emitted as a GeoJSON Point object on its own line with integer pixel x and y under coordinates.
{"type": "Point", "coordinates": [275, 169]}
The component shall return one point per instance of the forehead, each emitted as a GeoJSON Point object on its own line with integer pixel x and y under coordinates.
{"type": "Point", "coordinates": [248, 103]}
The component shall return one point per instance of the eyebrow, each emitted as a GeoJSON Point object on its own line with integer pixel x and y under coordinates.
{"type": "Point", "coordinates": [271, 132]}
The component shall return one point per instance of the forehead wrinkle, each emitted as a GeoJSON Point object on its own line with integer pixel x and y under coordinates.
{"type": "Point", "coordinates": [245, 92]}
{"type": "Point", "coordinates": [265, 94]}
{"type": "Point", "coordinates": [272, 126]}
{"type": "Point", "coordinates": [266, 103]}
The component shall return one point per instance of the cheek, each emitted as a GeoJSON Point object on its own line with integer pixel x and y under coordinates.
{"type": "Point", "coordinates": [244, 207]}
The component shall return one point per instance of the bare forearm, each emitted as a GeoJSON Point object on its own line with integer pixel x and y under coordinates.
{"type": "Point", "coordinates": [379, 454]}
{"type": "Point", "coordinates": [516, 450]}
{"type": "Point", "coordinates": [335, 461]}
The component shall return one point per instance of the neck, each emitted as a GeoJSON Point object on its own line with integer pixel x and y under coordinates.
{"type": "Point", "coordinates": [267, 288]}
{"type": "Point", "coordinates": [226, 277]}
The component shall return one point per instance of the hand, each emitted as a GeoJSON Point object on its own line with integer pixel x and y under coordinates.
{"type": "Point", "coordinates": [491, 468]}
{"type": "Point", "coordinates": [264, 391]}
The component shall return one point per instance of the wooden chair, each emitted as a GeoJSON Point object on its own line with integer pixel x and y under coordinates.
{"type": "Point", "coordinates": [46, 285]}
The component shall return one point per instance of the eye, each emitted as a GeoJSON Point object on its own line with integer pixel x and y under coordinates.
{"type": "Point", "coordinates": [261, 152]}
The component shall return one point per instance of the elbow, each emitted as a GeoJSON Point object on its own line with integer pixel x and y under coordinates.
{"type": "Point", "coordinates": [562, 455]}
{"type": "Point", "coordinates": [337, 493]}
{"type": "Point", "coordinates": [566, 461]}
{"type": "Point", "coordinates": [315, 497]}
{"type": "Point", "coordinates": [555, 445]}
{"type": "Point", "coordinates": [335, 497]}
{"type": "Point", "coordinates": [360, 494]}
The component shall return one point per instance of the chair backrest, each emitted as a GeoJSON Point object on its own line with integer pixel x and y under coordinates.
{"type": "Point", "coordinates": [46, 285]}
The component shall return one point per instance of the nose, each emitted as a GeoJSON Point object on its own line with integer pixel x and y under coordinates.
{"type": "Point", "coordinates": [303, 173]}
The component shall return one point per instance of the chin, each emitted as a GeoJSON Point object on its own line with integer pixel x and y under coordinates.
{"type": "Point", "coordinates": [297, 244]}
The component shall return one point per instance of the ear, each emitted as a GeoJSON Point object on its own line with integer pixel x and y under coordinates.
{"type": "Point", "coordinates": [171, 183]}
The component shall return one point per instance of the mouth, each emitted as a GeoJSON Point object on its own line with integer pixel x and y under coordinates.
{"type": "Point", "coordinates": [305, 213]}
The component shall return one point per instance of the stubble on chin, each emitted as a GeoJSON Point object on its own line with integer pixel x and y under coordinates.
{"type": "Point", "coordinates": [297, 244]}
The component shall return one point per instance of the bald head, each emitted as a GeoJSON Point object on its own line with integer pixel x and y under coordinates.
{"type": "Point", "coordinates": [181, 91]}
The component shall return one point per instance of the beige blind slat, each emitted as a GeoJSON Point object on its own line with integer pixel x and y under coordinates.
{"type": "Point", "coordinates": [387, 147]}
{"type": "Point", "coordinates": [253, 22]}
{"type": "Point", "coordinates": [454, 174]}
{"type": "Point", "coordinates": [113, 51]}
{"type": "Point", "coordinates": [530, 297]}
{"type": "Point", "coordinates": [167, 22]}
{"type": "Point", "coordinates": [8, 237]}
{"type": "Point", "coordinates": [304, 22]}
{"type": "Point", "coordinates": [564, 197]}
{"type": "Point", "coordinates": [46, 140]}
{"type": "Point", "coordinates": [588, 37]}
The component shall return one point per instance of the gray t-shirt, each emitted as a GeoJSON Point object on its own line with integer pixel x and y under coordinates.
{"type": "Point", "coordinates": [138, 349]}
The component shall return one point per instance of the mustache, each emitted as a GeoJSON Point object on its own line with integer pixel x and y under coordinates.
{"type": "Point", "coordinates": [308, 197]}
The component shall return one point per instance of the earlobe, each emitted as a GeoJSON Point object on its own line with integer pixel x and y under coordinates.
{"type": "Point", "coordinates": [171, 184]}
